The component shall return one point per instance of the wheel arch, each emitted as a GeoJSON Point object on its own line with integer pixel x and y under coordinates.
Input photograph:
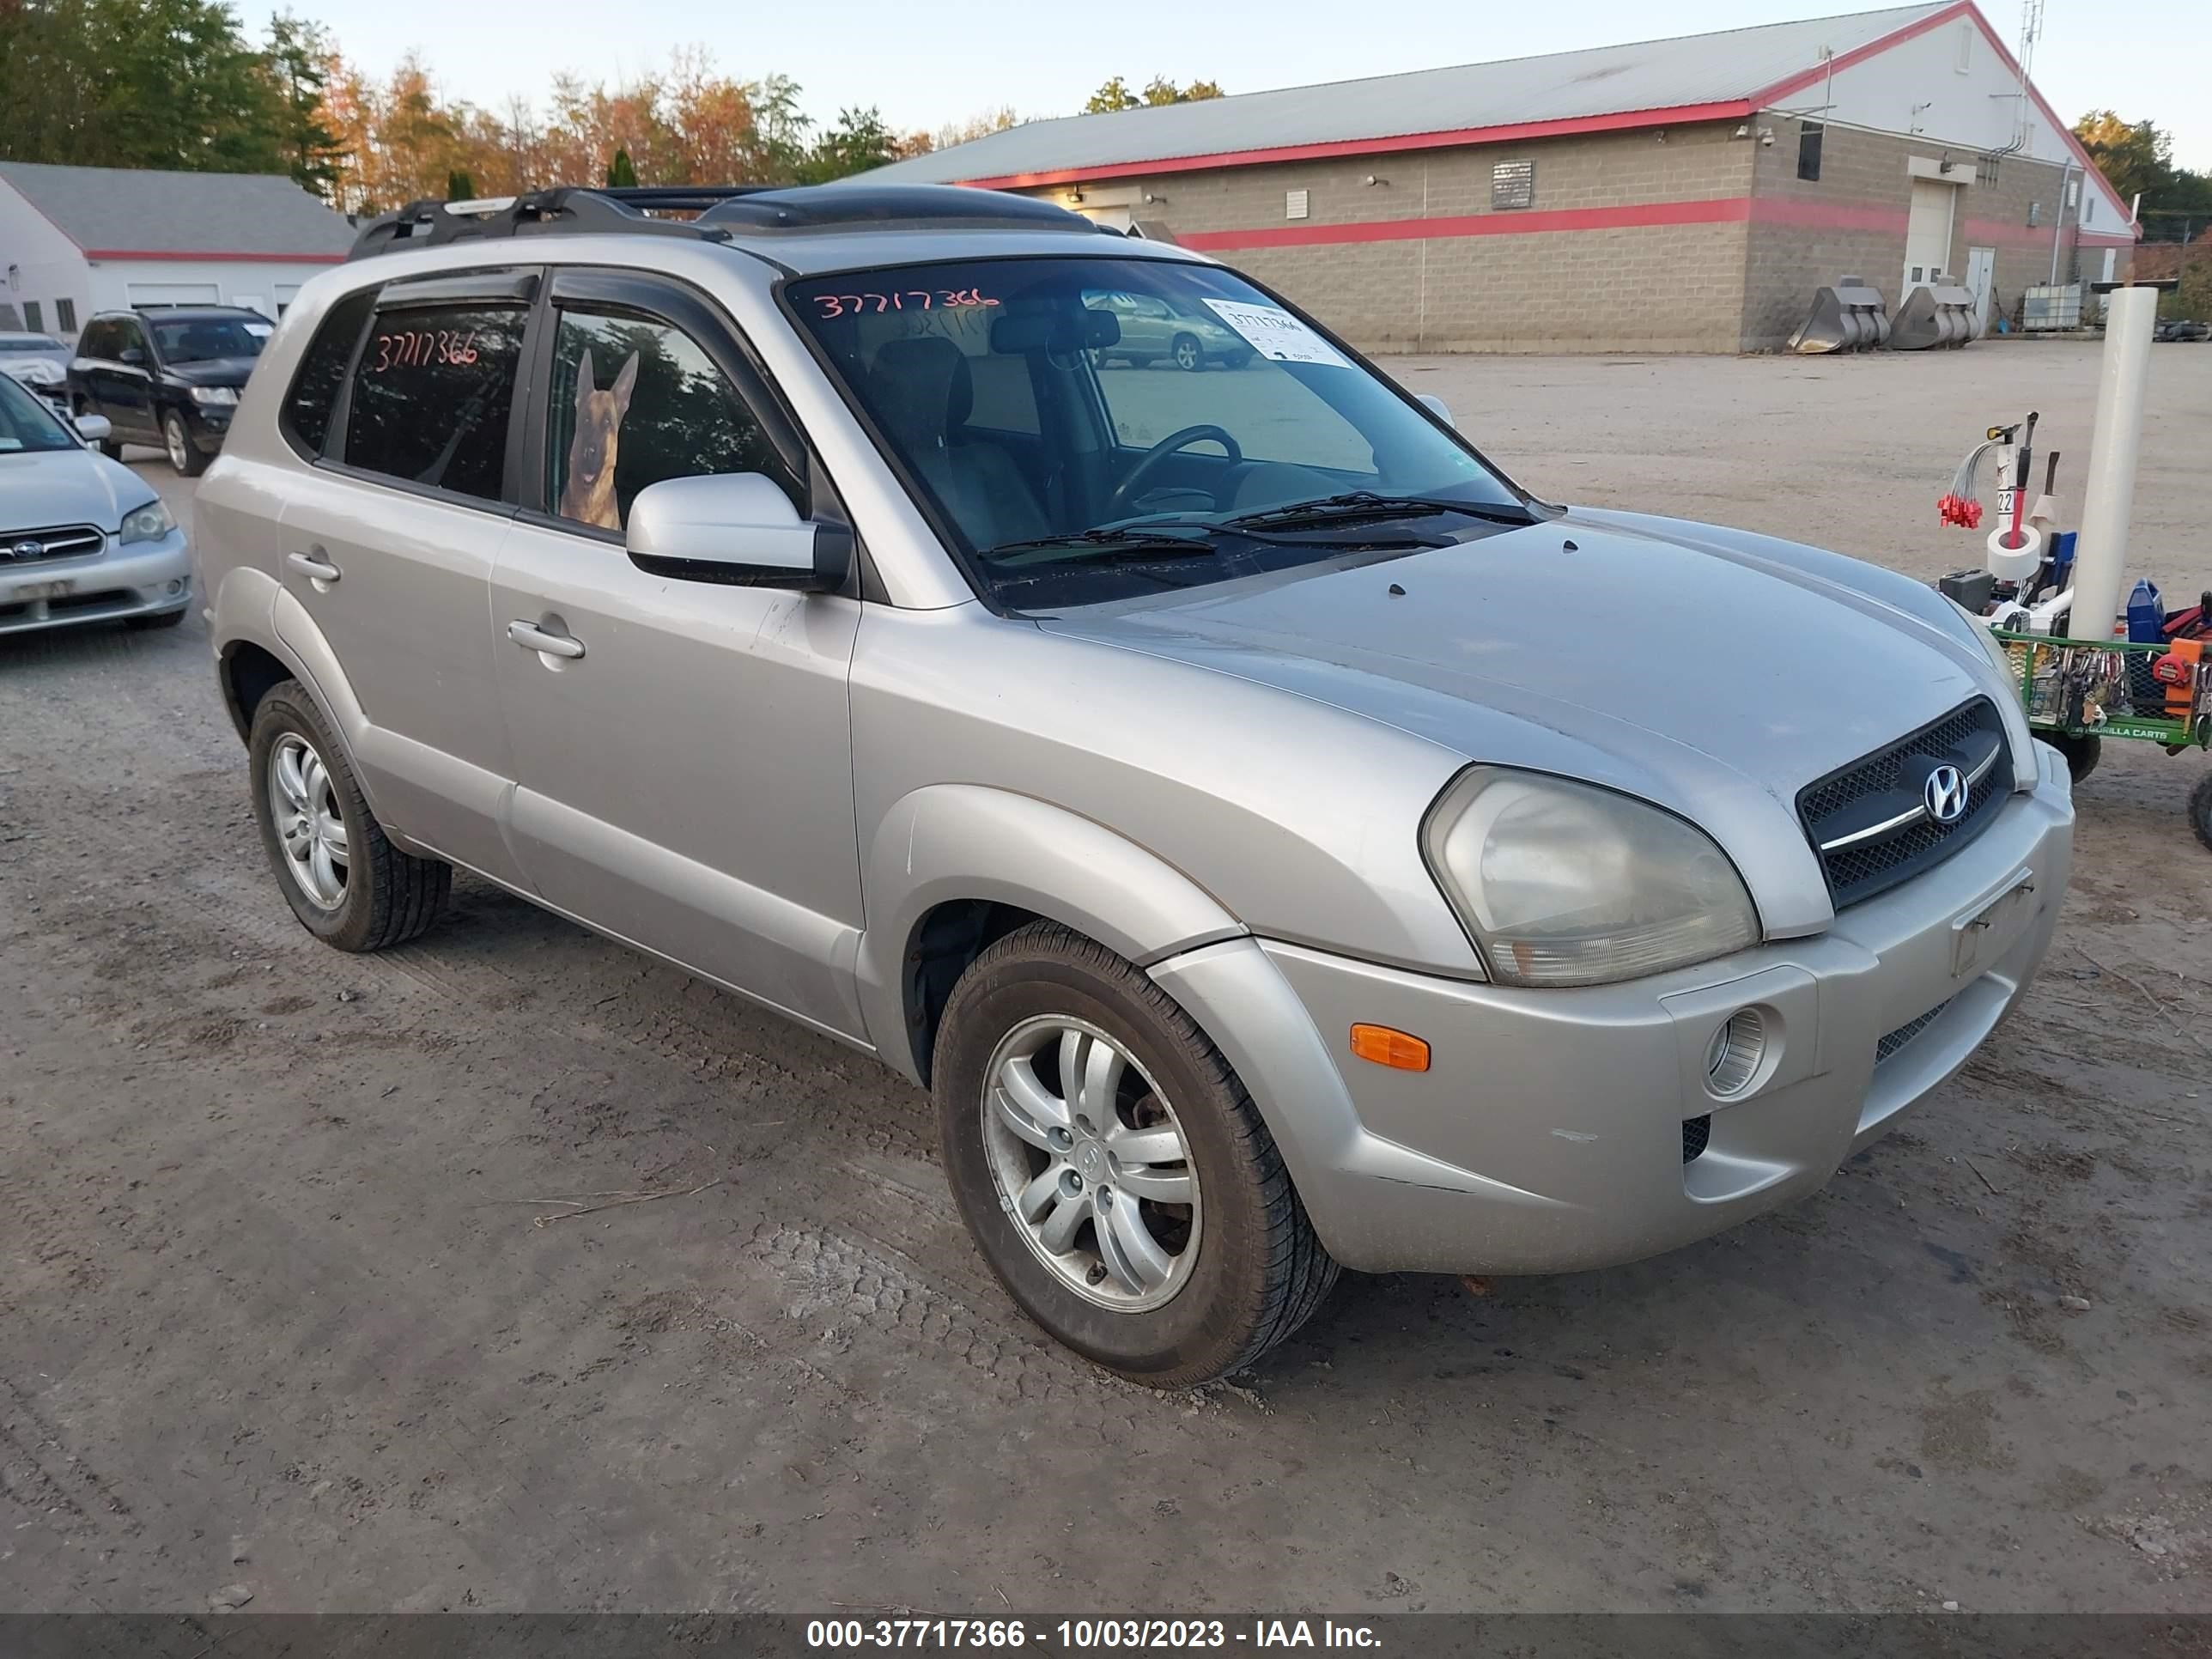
{"type": "Point", "coordinates": [953, 867]}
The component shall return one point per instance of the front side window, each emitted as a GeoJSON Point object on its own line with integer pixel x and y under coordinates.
{"type": "Point", "coordinates": [1078, 422]}
{"type": "Point", "coordinates": [633, 401]}
{"type": "Point", "coordinates": [432, 394]}
{"type": "Point", "coordinates": [210, 339]}
{"type": "Point", "coordinates": [127, 337]}
{"type": "Point", "coordinates": [26, 425]}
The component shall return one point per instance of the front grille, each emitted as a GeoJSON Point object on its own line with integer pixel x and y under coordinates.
{"type": "Point", "coordinates": [1696, 1132]}
{"type": "Point", "coordinates": [1904, 1034]}
{"type": "Point", "coordinates": [1875, 807]}
{"type": "Point", "coordinates": [67, 541]}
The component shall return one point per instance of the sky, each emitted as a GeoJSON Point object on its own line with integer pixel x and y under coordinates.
{"type": "Point", "coordinates": [926, 65]}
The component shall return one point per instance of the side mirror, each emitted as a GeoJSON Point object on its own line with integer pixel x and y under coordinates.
{"type": "Point", "coordinates": [134, 355]}
{"type": "Point", "coordinates": [93, 428]}
{"type": "Point", "coordinates": [1437, 407]}
{"type": "Point", "coordinates": [735, 528]}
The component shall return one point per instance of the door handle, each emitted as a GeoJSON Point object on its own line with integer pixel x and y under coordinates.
{"type": "Point", "coordinates": [308, 565]}
{"type": "Point", "coordinates": [530, 637]}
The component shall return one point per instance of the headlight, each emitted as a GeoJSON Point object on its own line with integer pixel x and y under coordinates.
{"type": "Point", "coordinates": [149, 523]}
{"type": "Point", "coordinates": [215, 396]}
{"type": "Point", "coordinates": [1564, 883]}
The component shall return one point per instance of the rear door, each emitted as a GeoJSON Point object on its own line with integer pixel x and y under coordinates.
{"type": "Point", "coordinates": [684, 779]}
{"type": "Point", "coordinates": [387, 543]}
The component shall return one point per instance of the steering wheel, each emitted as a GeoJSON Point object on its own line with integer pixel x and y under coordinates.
{"type": "Point", "coordinates": [1126, 490]}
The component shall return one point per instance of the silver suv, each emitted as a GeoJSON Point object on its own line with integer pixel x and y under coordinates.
{"type": "Point", "coordinates": [1275, 838]}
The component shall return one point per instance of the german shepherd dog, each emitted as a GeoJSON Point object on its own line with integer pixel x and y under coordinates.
{"type": "Point", "coordinates": [589, 496]}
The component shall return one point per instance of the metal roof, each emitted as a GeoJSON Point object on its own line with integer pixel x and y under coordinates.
{"type": "Point", "coordinates": [119, 210]}
{"type": "Point", "coordinates": [1689, 70]}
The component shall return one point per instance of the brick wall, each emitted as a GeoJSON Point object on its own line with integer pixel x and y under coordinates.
{"type": "Point", "coordinates": [1806, 234]}
{"type": "Point", "coordinates": [1657, 287]}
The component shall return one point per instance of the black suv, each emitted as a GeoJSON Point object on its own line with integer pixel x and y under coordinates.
{"type": "Point", "coordinates": [168, 375]}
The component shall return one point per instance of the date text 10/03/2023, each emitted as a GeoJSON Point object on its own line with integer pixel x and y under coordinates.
{"type": "Point", "coordinates": [1087, 1634]}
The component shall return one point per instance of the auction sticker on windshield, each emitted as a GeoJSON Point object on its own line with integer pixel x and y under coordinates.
{"type": "Point", "coordinates": [1274, 333]}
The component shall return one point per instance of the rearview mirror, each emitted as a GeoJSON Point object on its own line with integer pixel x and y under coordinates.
{"type": "Point", "coordinates": [93, 428]}
{"type": "Point", "coordinates": [735, 528]}
{"type": "Point", "coordinates": [1437, 407]}
{"type": "Point", "coordinates": [133, 355]}
{"type": "Point", "coordinates": [1054, 331]}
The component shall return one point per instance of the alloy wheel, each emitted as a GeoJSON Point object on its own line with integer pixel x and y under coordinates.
{"type": "Point", "coordinates": [173, 433]}
{"type": "Point", "coordinates": [303, 804]}
{"type": "Point", "coordinates": [1090, 1164]}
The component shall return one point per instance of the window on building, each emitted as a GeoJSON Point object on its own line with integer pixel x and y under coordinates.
{"type": "Point", "coordinates": [432, 396]}
{"type": "Point", "coordinates": [634, 401]}
{"type": "Point", "coordinates": [1296, 203]}
{"type": "Point", "coordinates": [65, 316]}
{"type": "Point", "coordinates": [33, 317]}
{"type": "Point", "coordinates": [1965, 61]}
{"type": "Point", "coordinates": [1809, 139]}
{"type": "Point", "coordinates": [314, 392]}
{"type": "Point", "coordinates": [1513, 184]}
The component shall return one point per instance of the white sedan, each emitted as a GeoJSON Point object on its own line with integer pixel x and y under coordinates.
{"type": "Point", "coordinates": [82, 539]}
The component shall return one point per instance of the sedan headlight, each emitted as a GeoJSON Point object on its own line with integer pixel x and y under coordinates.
{"type": "Point", "coordinates": [215, 396]}
{"type": "Point", "coordinates": [1564, 883]}
{"type": "Point", "coordinates": [149, 523]}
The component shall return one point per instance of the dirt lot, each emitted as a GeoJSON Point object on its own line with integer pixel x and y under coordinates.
{"type": "Point", "coordinates": [275, 1311]}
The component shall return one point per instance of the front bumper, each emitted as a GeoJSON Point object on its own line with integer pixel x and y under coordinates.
{"type": "Point", "coordinates": [145, 580]}
{"type": "Point", "coordinates": [1548, 1135]}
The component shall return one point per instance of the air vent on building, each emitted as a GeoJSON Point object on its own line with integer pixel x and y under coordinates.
{"type": "Point", "coordinates": [1294, 204]}
{"type": "Point", "coordinates": [1513, 184]}
{"type": "Point", "coordinates": [2034, 213]}
{"type": "Point", "coordinates": [1985, 169]}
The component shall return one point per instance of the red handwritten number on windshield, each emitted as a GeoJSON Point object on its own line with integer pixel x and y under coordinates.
{"type": "Point", "coordinates": [911, 299]}
{"type": "Point", "coordinates": [408, 348]}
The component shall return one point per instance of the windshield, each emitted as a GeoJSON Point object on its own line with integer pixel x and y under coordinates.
{"type": "Point", "coordinates": [1091, 428]}
{"type": "Point", "coordinates": [27, 424]}
{"type": "Point", "coordinates": [205, 339]}
{"type": "Point", "coordinates": [29, 343]}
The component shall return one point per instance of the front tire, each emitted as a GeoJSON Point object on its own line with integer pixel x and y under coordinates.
{"type": "Point", "coordinates": [177, 438]}
{"type": "Point", "coordinates": [1114, 1171]}
{"type": "Point", "coordinates": [1186, 353]}
{"type": "Point", "coordinates": [348, 884]}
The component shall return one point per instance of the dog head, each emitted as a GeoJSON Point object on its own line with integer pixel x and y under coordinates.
{"type": "Point", "coordinates": [598, 424]}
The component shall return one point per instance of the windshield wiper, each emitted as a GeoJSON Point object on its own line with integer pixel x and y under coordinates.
{"type": "Point", "coordinates": [1111, 544]}
{"type": "Point", "coordinates": [1357, 505]}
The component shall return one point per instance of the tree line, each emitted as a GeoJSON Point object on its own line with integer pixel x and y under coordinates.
{"type": "Point", "coordinates": [178, 84]}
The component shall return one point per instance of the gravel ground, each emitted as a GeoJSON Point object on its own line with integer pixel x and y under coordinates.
{"type": "Point", "coordinates": [280, 1306]}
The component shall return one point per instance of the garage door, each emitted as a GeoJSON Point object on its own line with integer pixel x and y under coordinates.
{"type": "Point", "coordinates": [173, 294]}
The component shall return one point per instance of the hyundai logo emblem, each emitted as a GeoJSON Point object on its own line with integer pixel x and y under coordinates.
{"type": "Point", "coordinates": [28, 550]}
{"type": "Point", "coordinates": [1945, 794]}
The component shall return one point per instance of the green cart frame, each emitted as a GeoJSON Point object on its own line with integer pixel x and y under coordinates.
{"type": "Point", "coordinates": [2079, 692]}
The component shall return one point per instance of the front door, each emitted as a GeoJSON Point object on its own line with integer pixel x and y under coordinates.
{"type": "Point", "coordinates": [1981, 283]}
{"type": "Point", "coordinates": [683, 755]}
{"type": "Point", "coordinates": [388, 546]}
{"type": "Point", "coordinates": [123, 381]}
{"type": "Point", "coordinates": [1927, 233]}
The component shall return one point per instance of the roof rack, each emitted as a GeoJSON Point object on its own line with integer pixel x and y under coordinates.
{"type": "Point", "coordinates": [564, 210]}
{"type": "Point", "coordinates": [720, 209]}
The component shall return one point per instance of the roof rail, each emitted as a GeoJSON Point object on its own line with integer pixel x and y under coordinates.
{"type": "Point", "coordinates": [564, 210]}
{"type": "Point", "coordinates": [721, 210]}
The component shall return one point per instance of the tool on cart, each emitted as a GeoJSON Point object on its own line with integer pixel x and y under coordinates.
{"type": "Point", "coordinates": [2052, 597]}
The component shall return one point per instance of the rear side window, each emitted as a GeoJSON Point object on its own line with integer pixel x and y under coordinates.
{"type": "Point", "coordinates": [432, 396]}
{"type": "Point", "coordinates": [322, 372]}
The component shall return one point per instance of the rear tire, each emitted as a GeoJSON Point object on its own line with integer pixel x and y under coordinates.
{"type": "Point", "coordinates": [1194, 1290]}
{"type": "Point", "coordinates": [1187, 354]}
{"type": "Point", "coordinates": [303, 788]}
{"type": "Point", "coordinates": [2200, 810]}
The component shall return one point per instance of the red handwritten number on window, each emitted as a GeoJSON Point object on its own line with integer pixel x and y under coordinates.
{"type": "Point", "coordinates": [408, 348]}
{"type": "Point", "coordinates": [912, 299]}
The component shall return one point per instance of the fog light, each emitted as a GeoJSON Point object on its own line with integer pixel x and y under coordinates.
{"type": "Point", "coordinates": [1733, 1056]}
{"type": "Point", "coordinates": [176, 587]}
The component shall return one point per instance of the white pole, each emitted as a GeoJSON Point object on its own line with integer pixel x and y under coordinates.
{"type": "Point", "coordinates": [2101, 555]}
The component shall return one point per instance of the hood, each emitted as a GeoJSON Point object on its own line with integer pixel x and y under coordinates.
{"type": "Point", "coordinates": [215, 371]}
{"type": "Point", "coordinates": [67, 486]}
{"type": "Point", "coordinates": [35, 367]}
{"type": "Point", "coordinates": [1715, 673]}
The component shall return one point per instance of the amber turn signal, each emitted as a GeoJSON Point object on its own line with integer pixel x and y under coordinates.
{"type": "Point", "coordinates": [1401, 1050]}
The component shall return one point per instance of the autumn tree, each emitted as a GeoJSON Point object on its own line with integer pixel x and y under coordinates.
{"type": "Point", "coordinates": [1115, 94]}
{"type": "Point", "coordinates": [299, 58]}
